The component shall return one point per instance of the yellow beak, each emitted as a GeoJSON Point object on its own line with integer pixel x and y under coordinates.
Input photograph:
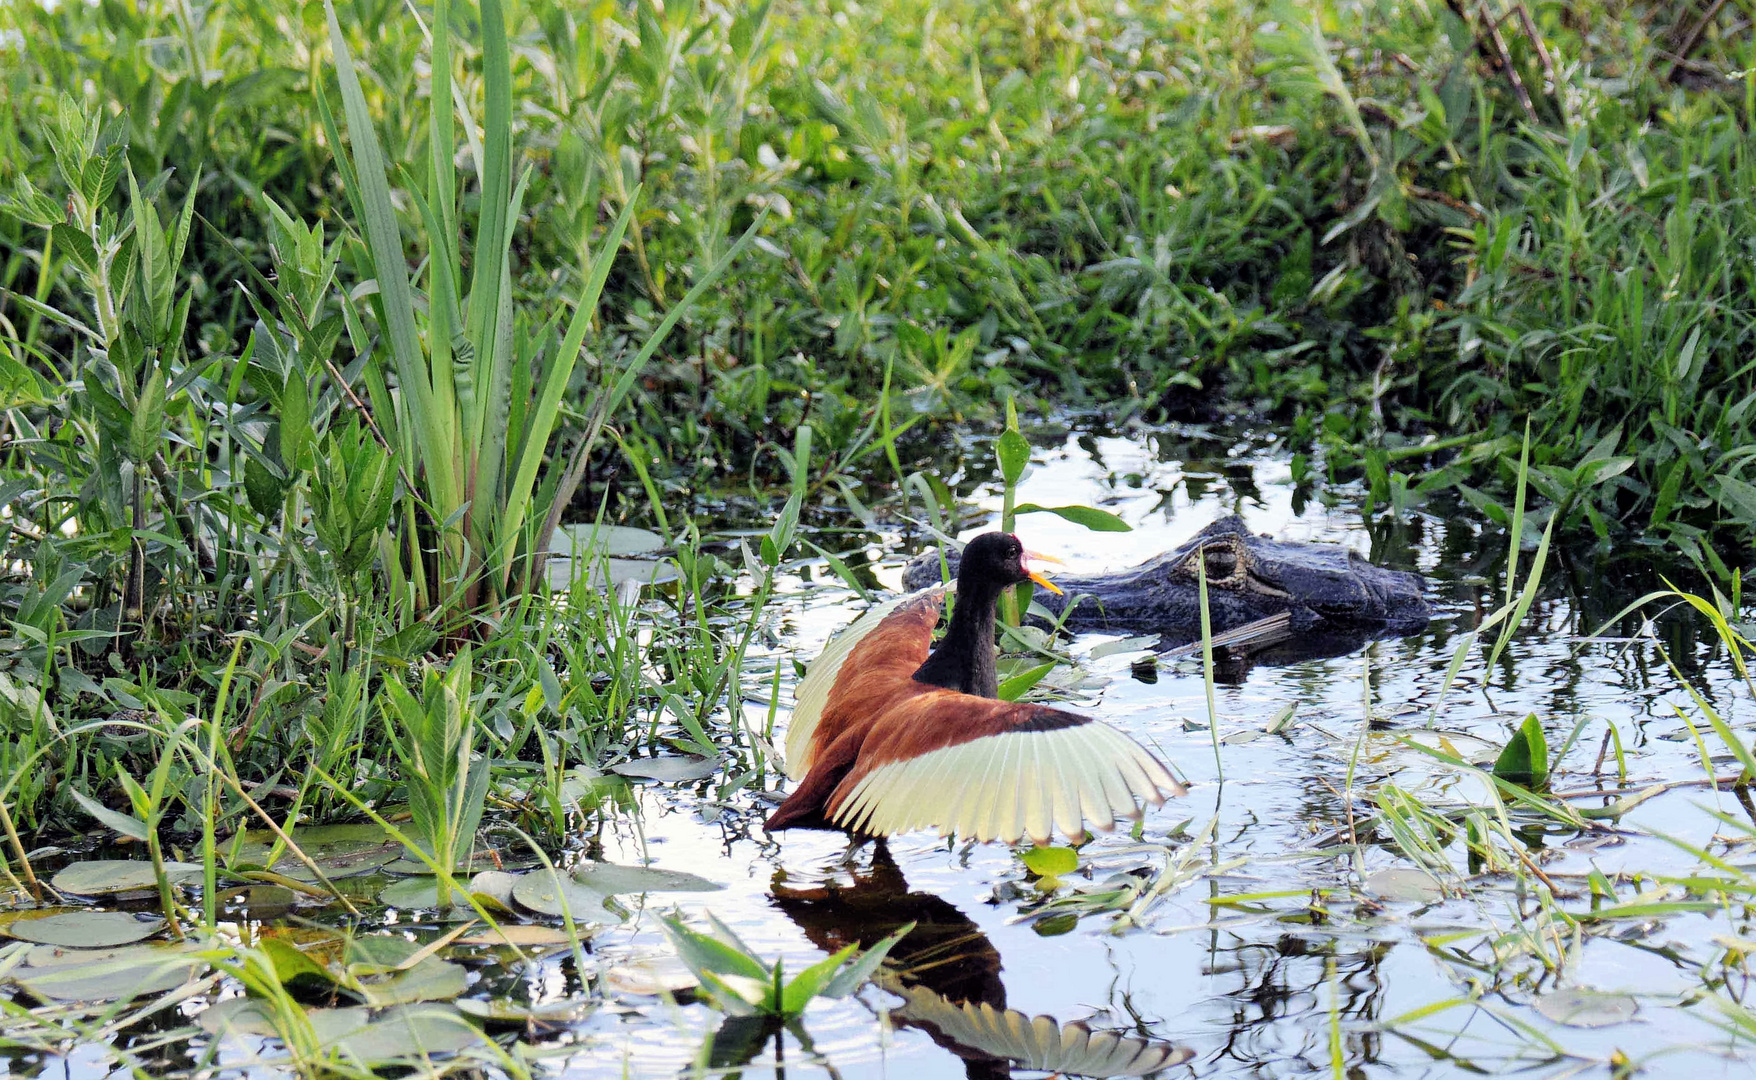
{"type": "Point", "coordinates": [1039, 579]}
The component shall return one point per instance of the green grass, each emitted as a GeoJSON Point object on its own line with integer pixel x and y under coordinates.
{"type": "Point", "coordinates": [311, 334]}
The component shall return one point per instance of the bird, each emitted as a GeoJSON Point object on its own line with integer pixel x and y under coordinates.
{"type": "Point", "coordinates": [889, 734]}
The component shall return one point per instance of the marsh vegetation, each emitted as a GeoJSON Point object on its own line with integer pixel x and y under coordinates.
{"type": "Point", "coordinates": [434, 436]}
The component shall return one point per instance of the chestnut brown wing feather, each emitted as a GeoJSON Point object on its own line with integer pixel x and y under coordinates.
{"type": "Point", "coordinates": [993, 770]}
{"type": "Point", "coordinates": [884, 645]}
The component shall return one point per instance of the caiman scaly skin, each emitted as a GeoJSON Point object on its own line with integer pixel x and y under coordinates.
{"type": "Point", "coordinates": [1249, 577]}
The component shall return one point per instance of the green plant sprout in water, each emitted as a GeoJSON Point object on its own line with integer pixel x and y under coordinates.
{"type": "Point", "coordinates": [740, 983]}
{"type": "Point", "coordinates": [445, 782]}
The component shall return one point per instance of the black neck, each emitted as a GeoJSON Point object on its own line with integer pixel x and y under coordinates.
{"type": "Point", "coordinates": [964, 660]}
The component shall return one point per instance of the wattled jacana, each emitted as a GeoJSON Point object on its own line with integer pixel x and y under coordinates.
{"type": "Point", "coordinates": [886, 737]}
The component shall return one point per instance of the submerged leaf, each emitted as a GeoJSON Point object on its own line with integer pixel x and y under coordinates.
{"type": "Point", "coordinates": [1579, 1007]}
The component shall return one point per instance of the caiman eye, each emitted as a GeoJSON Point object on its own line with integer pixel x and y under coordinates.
{"type": "Point", "coordinates": [1219, 560]}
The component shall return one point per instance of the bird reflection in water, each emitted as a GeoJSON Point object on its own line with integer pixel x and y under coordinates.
{"type": "Point", "coordinates": [948, 974]}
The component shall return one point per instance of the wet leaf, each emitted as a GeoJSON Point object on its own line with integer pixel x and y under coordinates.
{"type": "Point", "coordinates": [431, 979]}
{"type": "Point", "coordinates": [1051, 863]}
{"type": "Point", "coordinates": [506, 1011]}
{"type": "Point", "coordinates": [1579, 1007]}
{"type": "Point", "coordinates": [411, 893]}
{"type": "Point", "coordinates": [1019, 685]}
{"type": "Point", "coordinates": [580, 540]}
{"type": "Point", "coordinates": [1125, 645]}
{"type": "Point", "coordinates": [260, 902]}
{"type": "Point", "coordinates": [668, 770]}
{"type": "Point", "coordinates": [495, 886]}
{"type": "Point", "coordinates": [1525, 761]}
{"type": "Point", "coordinates": [56, 974]}
{"type": "Point", "coordinates": [1092, 518]}
{"type": "Point", "coordinates": [408, 1033]}
{"type": "Point", "coordinates": [521, 935]}
{"type": "Point", "coordinates": [611, 879]}
{"type": "Point", "coordinates": [543, 891]}
{"type": "Point", "coordinates": [651, 977]}
{"type": "Point", "coordinates": [335, 867]}
{"type": "Point", "coordinates": [87, 929]}
{"type": "Point", "coordinates": [611, 573]}
{"type": "Point", "coordinates": [318, 841]}
{"type": "Point", "coordinates": [1405, 884]}
{"type": "Point", "coordinates": [402, 1033]}
{"type": "Point", "coordinates": [106, 877]}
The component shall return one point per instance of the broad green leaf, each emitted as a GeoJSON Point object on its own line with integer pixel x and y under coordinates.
{"type": "Point", "coordinates": [706, 954]}
{"type": "Point", "coordinates": [1092, 518]}
{"type": "Point", "coordinates": [804, 986]}
{"type": "Point", "coordinates": [1525, 761]}
{"type": "Point", "coordinates": [131, 827]}
{"type": "Point", "coordinates": [1051, 862]}
{"type": "Point", "coordinates": [1019, 685]}
{"type": "Point", "coordinates": [854, 976]}
{"type": "Point", "coordinates": [1014, 454]}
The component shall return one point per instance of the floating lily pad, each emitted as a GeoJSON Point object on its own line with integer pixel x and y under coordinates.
{"type": "Point", "coordinates": [581, 539]}
{"type": "Point", "coordinates": [318, 841]}
{"type": "Point", "coordinates": [87, 929]}
{"type": "Point", "coordinates": [611, 573]}
{"type": "Point", "coordinates": [107, 877]}
{"type": "Point", "coordinates": [520, 935]}
{"type": "Point", "coordinates": [335, 867]}
{"type": "Point", "coordinates": [395, 1035]}
{"type": "Point", "coordinates": [668, 770]}
{"type": "Point", "coordinates": [1404, 884]}
{"type": "Point", "coordinates": [1579, 1007]}
{"type": "Point", "coordinates": [411, 893]}
{"type": "Point", "coordinates": [508, 1012]}
{"type": "Point", "coordinates": [55, 974]}
{"type": "Point", "coordinates": [495, 885]}
{"type": "Point", "coordinates": [542, 891]}
{"type": "Point", "coordinates": [482, 861]}
{"type": "Point", "coordinates": [613, 879]}
{"type": "Point", "coordinates": [431, 979]}
{"type": "Point", "coordinates": [409, 1033]}
{"type": "Point", "coordinates": [1051, 863]}
{"type": "Point", "coordinates": [262, 903]}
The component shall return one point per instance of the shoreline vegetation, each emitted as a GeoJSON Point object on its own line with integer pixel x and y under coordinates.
{"type": "Point", "coordinates": [306, 418]}
{"type": "Point", "coordinates": [408, 413]}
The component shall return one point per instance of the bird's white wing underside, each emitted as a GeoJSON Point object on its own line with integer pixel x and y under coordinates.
{"type": "Point", "coordinates": [812, 693]}
{"type": "Point", "coordinates": [1025, 784]}
{"type": "Point", "coordinates": [1038, 1043]}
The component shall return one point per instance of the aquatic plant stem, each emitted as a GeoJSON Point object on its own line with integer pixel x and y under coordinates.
{"type": "Point", "coordinates": [1207, 670]}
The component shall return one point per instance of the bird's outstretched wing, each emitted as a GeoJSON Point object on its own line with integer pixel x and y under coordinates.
{"type": "Point", "coordinates": [995, 770]}
{"type": "Point", "coordinates": [812, 694]}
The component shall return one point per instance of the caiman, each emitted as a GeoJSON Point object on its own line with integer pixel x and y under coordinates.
{"type": "Point", "coordinates": [1321, 588]}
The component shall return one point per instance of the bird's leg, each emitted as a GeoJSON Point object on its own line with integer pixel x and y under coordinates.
{"type": "Point", "coordinates": [856, 841]}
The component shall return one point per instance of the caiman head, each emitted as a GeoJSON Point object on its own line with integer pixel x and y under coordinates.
{"type": "Point", "coordinates": [1333, 584]}
{"type": "Point", "coordinates": [1249, 577]}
